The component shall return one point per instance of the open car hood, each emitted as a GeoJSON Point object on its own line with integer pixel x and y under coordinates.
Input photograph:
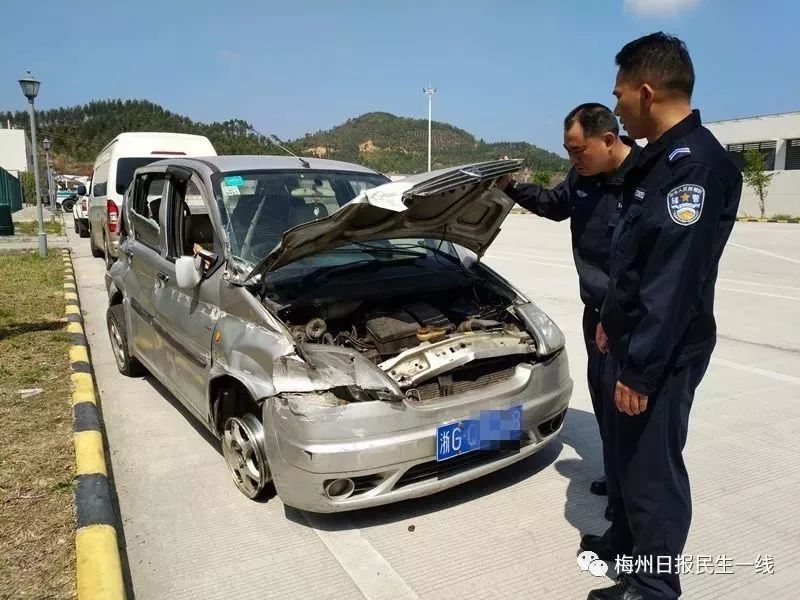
{"type": "Point", "coordinates": [460, 205]}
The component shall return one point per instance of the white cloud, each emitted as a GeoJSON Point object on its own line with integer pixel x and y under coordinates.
{"type": "Point", "coordinates": [657, 8]}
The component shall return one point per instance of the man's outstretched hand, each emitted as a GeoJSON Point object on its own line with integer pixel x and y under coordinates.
{"type": "Point", "coordinates": [629, 401]}
{"type": "Point", "coordinates": [503, 182]}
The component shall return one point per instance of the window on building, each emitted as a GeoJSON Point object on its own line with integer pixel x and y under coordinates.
{"type": "Point", "coordinates": [793, 154]}
{"type": "Point", "coordinates": [767, 150]}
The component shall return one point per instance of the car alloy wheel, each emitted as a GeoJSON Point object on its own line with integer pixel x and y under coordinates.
{"type": "Point", "coordinates": [116, 344]}
{"type": "Point", "coordinates": [243, 449]}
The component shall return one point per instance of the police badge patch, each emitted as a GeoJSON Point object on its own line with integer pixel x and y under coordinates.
{"type": "Point", "coordinates": [685, 203]}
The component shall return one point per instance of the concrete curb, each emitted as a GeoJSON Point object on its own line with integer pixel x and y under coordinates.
{"type": "Point", "coordinates": [99, 568]}
{"type": "Point", "coordinates": [756, 220]}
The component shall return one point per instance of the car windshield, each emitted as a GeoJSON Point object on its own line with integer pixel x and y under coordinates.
{"type": "Point", "coordinates": [257, 207]}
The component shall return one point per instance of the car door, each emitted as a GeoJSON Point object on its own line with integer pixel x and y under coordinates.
{"type": "Point", "coordinates": [143, 247]}
{"type": "Point", "coordinates": [188, 316]}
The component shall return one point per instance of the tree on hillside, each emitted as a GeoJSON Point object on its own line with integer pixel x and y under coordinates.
{"type": "Point", "coordinates": [542, 178]}
{"type": "Point", "coordinates": [757, 177]}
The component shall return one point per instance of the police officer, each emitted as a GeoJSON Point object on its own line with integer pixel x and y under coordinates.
{"type": "Point", "coordinates": [591, 198]}
{"type": "Point", "coordinates": [679, 205]}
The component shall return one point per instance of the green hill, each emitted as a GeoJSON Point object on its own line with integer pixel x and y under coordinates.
{"type": "Point", "coordinates": [380, 140]}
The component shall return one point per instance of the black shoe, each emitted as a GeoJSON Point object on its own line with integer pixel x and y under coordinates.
{"type": "Point", "coordinates": [621, 590]}
{"type": "Point", "coordinates": [599, 545]}
{"type": "Point", "coordinates": [609, 514]}
{"type": "Point", "coordinates": [598, 487]}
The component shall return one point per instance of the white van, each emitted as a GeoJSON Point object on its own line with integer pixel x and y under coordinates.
{"type": "Point", "coordinates": [113, 171]}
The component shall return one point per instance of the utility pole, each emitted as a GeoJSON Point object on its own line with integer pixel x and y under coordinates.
{"type": "Point", "coordinates": [46, 146]}
{"type": "Point", "coordinates": [429, 92]}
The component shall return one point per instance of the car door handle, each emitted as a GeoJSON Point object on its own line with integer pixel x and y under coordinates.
{"type": "Point", "coordinates": [128, 252]}
{"type": "Point", "coordinates": [162, 277]}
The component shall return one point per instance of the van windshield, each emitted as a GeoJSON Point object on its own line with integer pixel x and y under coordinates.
{"type": "Point", "coordinates": [126, 167]}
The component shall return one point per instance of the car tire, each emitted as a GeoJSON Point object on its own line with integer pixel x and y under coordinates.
{"type": "Point", "coordinates": [243, 448]}
{"type": "Point", "coordinates": [117, 333]}
{"type": "Point", "coordinates": [96, 252]}
{"type": "Point", "coordinates": [83, 230]}
{"type": "Point", "coordinates": [66, 206]}
{"type": "Point", "coordinates": [76, 225]}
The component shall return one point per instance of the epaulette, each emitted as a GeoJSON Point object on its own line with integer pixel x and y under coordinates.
{"type": "Point", "coordinates": [678, 152]}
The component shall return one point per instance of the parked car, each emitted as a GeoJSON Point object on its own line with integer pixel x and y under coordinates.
{"type": "Point", "coordinates": [113, 170]}
{"type": "Point", "coordinates": [66, 199]}
{"type": "Point", "coordinates": [336, 330]}
{"type": "Point", "coordinates": [80, 212]}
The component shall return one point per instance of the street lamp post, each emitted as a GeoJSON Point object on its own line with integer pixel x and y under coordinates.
{"type": "Point", "coordinates": [429, 92]}
{"type": "Point", "coordinates": [50, 195]}
{"type": "Point", "coordinates": [30, 87]}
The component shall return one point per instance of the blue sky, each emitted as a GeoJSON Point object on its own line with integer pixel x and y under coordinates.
{"type": "Point", "coordinates": [503, 70]}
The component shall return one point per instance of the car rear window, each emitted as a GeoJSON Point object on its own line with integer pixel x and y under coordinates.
{"type": "Point", "coordinates": [126, 167]}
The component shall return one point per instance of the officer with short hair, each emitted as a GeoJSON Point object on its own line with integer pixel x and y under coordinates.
{"type": "Point", "coordinates": [591, 198]}
{"type": "Point", "coordinates": [679, 205]}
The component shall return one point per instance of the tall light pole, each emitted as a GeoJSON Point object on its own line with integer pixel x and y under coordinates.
{"type": "Point", "coordinates": [46, 146]}
{"type": "Point", "coordinates": [429, 92]}
{"type": "Point", "coordinates": [30, 87]}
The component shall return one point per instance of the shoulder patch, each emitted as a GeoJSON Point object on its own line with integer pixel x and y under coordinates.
{"type": "Point", "coordinates": [678, 152]}
{"type": "Point", "coordinates": [581, 193]}
{"type": "Point", "coordinates": [685, 203]}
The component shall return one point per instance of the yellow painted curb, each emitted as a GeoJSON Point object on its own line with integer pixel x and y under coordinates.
{"type": "Point", "coordinates": [99, 568]}
{"type": "Point", "coordinates": [69, 286]}
{"type": "Point", "coordinates": [82, 382]}
{"type": "Point", "coordinates": [74, 327]}
{"type": "Point", "coordinates": [78, 353]}
{"type": "Point", "coordinates": [79, 396]}
{"type": "Point", "coordinates": [73, 310]}
{"type": "Point", "coordinates": [70, 296]}
{"type": "Point", "coordinates": [89, 457]}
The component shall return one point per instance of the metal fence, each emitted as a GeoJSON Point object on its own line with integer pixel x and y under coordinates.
{"type": "Point", "coordinates": [10, 190]}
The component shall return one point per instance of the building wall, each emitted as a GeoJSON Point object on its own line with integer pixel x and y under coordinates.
{"type": "Point", "coordinates": [13, 155]}
{"type": "Point", "coordinates": [784, 191]}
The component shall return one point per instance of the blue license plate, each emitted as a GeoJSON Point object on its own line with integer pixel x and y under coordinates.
{"type": "Point", "coordinates": [488, 430]}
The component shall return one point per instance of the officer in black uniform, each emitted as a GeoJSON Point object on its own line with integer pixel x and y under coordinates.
{"type": "Point", "coordinates": [679, 205]}
{"type": "Point", "coordinates": [591, 197]}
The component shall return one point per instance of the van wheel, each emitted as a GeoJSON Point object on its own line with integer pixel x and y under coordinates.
{"type": "Point", "coordinates": [95, 251]}
{"type": "Point", "coordinates": [83, 230]}
{"type": "Point", "coordinates": [76, 225]}
{"type": "Point", "coordinates": [243, 448]}
{"type": "Point", "coordinates": [115, 319]}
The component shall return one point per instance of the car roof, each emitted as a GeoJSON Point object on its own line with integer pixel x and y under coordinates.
{"type": "Point", "coordinates": [231, 163]}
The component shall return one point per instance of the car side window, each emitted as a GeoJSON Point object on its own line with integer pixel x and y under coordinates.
{"type": "Point", "coordinates": [147, 198]}
{"type": "Point", "coordinates": [192, 231]}
{"type": "Point", "coordinates": [100, 180]}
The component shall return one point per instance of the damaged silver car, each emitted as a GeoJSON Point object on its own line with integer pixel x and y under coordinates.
{"type": "Point", "coordinates": [338, 332]}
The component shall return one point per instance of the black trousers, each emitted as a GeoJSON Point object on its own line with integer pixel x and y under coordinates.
{"type": "Point", "coordinates": [653, 509]}
{"type": "Point", "coordinates": [595, 365]}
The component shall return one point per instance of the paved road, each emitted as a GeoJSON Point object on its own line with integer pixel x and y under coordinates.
{"type": "Point", "coordinates": [190, 534]}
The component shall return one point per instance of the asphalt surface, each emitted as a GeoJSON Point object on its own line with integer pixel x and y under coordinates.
{"type": "Point", "coordinates": [188, 533]}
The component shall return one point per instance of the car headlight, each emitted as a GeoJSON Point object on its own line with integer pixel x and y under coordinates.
{"type": "Point", "coordinates": [549, 338]}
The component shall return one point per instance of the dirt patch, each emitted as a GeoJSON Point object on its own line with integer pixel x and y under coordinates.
{"type": "Point", "coordinates": [37, 514]}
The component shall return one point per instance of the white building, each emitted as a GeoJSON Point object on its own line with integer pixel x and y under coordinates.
{"type": "Point", "coordinates": [778, 139]}
{"type": "Point", "coordinates": [13, 150]}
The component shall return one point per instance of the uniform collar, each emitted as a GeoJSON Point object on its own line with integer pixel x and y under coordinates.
{"type": "Point", "coordinates": [669, 137]}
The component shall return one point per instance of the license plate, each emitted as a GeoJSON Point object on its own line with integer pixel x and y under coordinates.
{"type": "Point", "coordinates": [488, 430]}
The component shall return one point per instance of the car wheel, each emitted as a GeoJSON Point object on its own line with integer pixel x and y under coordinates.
{"type": "Point", "coordinates": [115, 319]}
{"type": "Point", "coordinates": [76, 225]}
{"type": "Point", "coordinates": [243, 449]}
{"type": "Point", "coordinates": [66, 206]}
{"type": "Point", "coordinates": [96, 252]}
{"type": "Point", "coordinates": [83, 230]}
{"type": "Point", "coordinates": [110, 260]}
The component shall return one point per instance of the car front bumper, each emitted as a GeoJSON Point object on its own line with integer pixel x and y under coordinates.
{"type": "Point", "coordinates": [387, 464]}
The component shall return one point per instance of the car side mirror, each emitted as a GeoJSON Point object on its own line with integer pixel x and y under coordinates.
{"type": "Point", "coordinates": [81, 190]}
{"type": "Point", "coordinates": [187, 272]}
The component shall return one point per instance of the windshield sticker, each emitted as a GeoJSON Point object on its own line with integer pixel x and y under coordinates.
{"type": "Point", "coordinates": [229, 190]}
{"type": "Point", "coordinates": [234, 180]}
